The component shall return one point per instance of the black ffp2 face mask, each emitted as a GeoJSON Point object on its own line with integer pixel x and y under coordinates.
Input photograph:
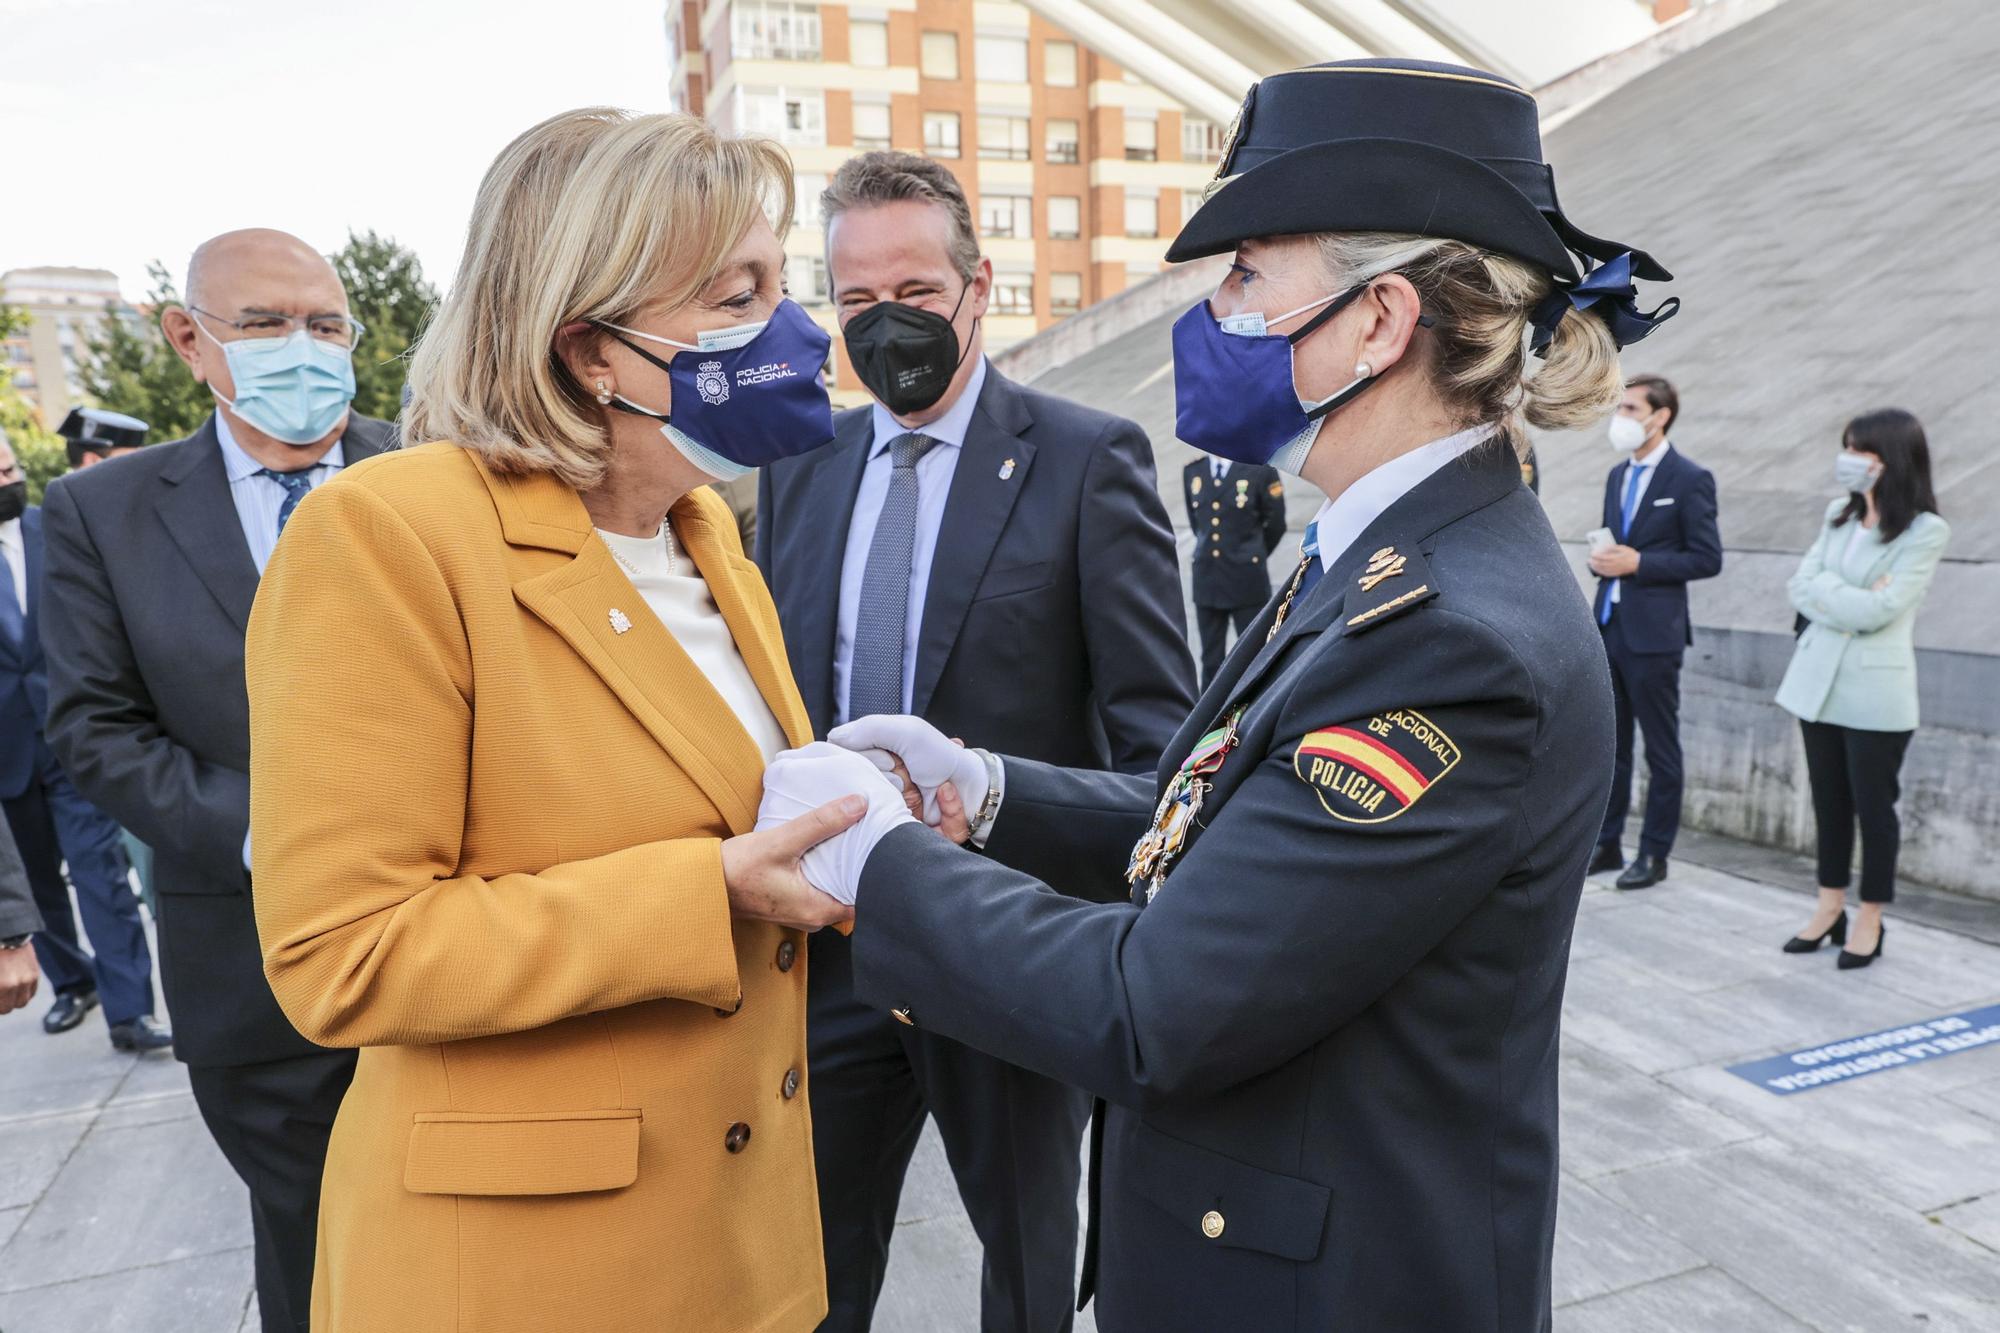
{"type": "Point", "coordinates": [13, 500]}
{"type": "Point", "coordinates": [905, 356]}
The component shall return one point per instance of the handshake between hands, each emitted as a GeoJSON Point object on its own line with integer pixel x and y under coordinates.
{"type": "Point", "coordinates": [827, 805]}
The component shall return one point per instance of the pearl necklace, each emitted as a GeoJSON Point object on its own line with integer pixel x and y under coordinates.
{"type": "Point", "coordinates": [666, 539]}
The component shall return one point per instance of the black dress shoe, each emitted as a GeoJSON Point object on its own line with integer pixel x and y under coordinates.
{"type": "Point", "coordinates": [68, 1010]}
{"type": "Point", "coordinates": [1645, 871]}
{"type": "Point", "coordinates": [142, 1034]}
{"type": "Point", "coordinates": [1608, 859]}
{"type": "Point", "coordinates": [1847, 962]}
{"type": "Point", "coordinates": [1837, 932]}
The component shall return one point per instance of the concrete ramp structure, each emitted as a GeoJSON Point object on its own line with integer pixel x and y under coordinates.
{"type": "Point", "coordinates": [1823, 180]}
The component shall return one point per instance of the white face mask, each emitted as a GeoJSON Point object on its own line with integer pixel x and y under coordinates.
{"type": "Point", "coordinates": [1855, 472]}
{"type": "Point", "coordinates": [1627, 434]}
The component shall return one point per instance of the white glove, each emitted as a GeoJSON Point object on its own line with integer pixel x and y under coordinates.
{"type": "Point", "coordinates": [805, 779]}
{"type": "Point", "coordinates": [932, 758]}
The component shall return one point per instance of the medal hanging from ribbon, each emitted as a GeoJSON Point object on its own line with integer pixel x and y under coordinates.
{"type": "Point", "coordinates": [1154, 854]}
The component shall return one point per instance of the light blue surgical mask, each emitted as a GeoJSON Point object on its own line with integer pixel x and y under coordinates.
{"type": "Point", "coordinates": [293, 389]}
{"type": "Point", "coordinates": [1854, 472]}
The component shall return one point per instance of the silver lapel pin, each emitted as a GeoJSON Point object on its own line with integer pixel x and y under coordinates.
{"type": "Point", "coordinates": [620, 622]}
{"type": "Point", "coordinates": [1007, 469]}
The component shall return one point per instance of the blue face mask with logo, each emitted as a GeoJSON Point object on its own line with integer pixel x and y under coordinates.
{"type": "Point", "coordinates": [294, 389]}
{"type": "Point", "coordinates": [1233, 390]}
{"type": "Point", "coordinates": [744, 396]}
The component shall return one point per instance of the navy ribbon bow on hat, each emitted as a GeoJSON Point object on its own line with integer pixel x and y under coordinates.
{"type": "Point", "coordinates": [1608, 292]}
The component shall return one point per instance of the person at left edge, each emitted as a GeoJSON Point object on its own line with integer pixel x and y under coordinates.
{"type": "Point", "coordinates": [1236, 512]}
{"type": "Point", "coordinates": [524, 879]}
{"type": "Point", "coordinates": [1660, 505]}
{"type": "Point", "coordinates": [52, 824]}
{"type": "Point", "coordinates": [999, 561]}
{"type": "Point", "coordinates": [153, 562]}
{"type": "Point", "coordinates": [18, 922]}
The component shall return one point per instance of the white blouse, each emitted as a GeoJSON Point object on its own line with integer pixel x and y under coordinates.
{"type": "Point", "coordinates": [678, 595]}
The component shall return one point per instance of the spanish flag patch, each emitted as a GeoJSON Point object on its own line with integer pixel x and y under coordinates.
{"type": "Point", "coordinates": [1370, 771]}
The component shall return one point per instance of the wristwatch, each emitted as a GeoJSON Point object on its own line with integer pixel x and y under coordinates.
{"type": "Point", "coordinates": [989, 807]}
{"type": "Point", "coordinates": [14, 942]}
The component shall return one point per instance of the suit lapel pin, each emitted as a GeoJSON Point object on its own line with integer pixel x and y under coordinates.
{"type": "Point", "coordinates": [1384, 564]}
{"type": "Point", "coordinates": [620, 622]}
{"type": "Point", "coordinates": [1007, 469]}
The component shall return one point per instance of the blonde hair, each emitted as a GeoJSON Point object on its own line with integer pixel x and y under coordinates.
{"type": "Point", "coordinates": [595, 214]}
{"type": "Point", "coordinates": [1481, 302]}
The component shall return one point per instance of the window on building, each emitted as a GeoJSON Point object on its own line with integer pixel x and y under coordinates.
{"type": "Point", "coordinates": [1013, 293]}
{"type": "Point", "coordinates": [941, 134]}
{"type": "Point", "coordinates": [1190, 201]}
{"type": "Point", "coordinates": [1000, 59]}
{"type": "Point", "coordinates": [789, 115]}
{"type": "Point", "coordinates": [1006, 215]}
{"type": "Point", "coordinates": [1004, 137]}
{"type": "Point", "coordinates": [1142, 214]}
{"type": "Point", "coordinates": [868, 43]}
{"type": "Point", "coordinates": [773, 30]}
{"type": "Point", "coordinates": [871, 125]}
{"type": "Point", "coordinates": [1059, 64]}
{"type": "Point", "coordinates": [1201, 140]}
{"type": "Point", "coordinates": [805, 279]}
{"type": "Point", "coordinates": [806, 190]}
{"type": "Point", "coordinates": [1065, 293]}
{"type": "Point", "coordinates": [939, 56]}
{"type": "Point", "coordinates": [1142, 139]}
{"type": "Point", "coordinates": [1062, 141]}
{"type": "Point", "coordinates": [1065, 217]}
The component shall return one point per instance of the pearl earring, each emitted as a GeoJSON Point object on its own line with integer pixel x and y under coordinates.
{"type": "Point", "coordinates": [1363, 370]}
{"type": "Point", "coordinates": [603, 396]}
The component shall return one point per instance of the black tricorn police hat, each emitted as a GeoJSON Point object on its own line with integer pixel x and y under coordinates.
{"type": "Point", "coordinates": [1400, 146]}
{"type": "Point", "coordinates": [98, 430]}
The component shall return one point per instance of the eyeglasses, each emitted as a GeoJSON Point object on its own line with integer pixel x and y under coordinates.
{"type": "Point", "coordinates": [338, 330]}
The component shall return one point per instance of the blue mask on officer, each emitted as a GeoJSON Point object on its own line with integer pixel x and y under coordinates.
{"type": "Point", "coordinates": [1233, 389]}
{"type": "Point", "coordinates": [294, 389]}
{"type": "Point", "coordinates": [744, 396]}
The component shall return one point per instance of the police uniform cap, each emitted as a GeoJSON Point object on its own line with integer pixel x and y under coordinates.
{"type": "Point", "coordinates": [98, 431]}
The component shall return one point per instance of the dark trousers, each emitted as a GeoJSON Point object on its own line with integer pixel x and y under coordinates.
{"type": "Point", "coordinates": [1013, 1139]}
{"type": "Point", "coordinates": [1645, 689]}
{"type": "Point", "coordinates": [1856, 775]}
{"type": "Point", "coordinates": [53, 824]}
{"type": "Point", "coordinates": [1213, 622]}
{"type": "Point", "coordinates": [272, 1122]}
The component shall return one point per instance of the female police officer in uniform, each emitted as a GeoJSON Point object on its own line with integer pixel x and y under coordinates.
{"type": "Point", "coordinates": [1320, 1002]}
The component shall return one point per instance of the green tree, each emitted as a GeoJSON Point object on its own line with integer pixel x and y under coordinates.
{"type": "Point", "coordinates": [131, 369]}
{"type": "Point", "coordinates": [387, 292]}
{"type": "Point", "coordinates": [39, 452]}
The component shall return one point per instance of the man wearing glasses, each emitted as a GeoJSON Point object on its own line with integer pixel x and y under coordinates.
{"type": "Point", "coordinates": [152, 567]}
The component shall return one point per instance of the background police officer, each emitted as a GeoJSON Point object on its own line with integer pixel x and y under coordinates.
{"type": "Point", "coordinates": [1236, 512]}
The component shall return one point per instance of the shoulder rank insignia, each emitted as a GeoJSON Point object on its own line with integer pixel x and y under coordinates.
{"type": "Point", "coordinates": [1196, 486]}
{"type": "Point", "coordinates": [1370, 771]}
{"type": "Point", "coordinates": [1277, 489]}
{"type": "Point", "coordinates": [1389, 584]}
{"type": "Point", "coordinates": [1384, 564]}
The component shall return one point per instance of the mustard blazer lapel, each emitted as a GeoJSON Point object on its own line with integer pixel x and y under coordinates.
{"type": "Point", "coordinates": [588, 599]}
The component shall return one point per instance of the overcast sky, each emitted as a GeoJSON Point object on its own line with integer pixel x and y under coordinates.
{"type": "Point", "coordinates": [136, 128]}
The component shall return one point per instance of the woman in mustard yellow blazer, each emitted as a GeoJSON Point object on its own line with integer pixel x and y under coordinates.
{"type": "Point", "coordinates": [512, 695]}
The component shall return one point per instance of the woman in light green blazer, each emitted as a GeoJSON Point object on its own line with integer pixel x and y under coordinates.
{"type": "Point", "coordinates": [1852, 682]}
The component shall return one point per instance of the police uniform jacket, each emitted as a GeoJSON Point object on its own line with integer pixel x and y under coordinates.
{"type": "Point", "coordinates": [1327, 1047]}
{"type": "Point", "coordinates": [580, 1101]}
{"type": "Point", "coordinates": [1236, 523]}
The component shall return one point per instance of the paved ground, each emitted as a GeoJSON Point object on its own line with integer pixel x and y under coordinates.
{"type": "Point", "coordinates": [1692, 1201]}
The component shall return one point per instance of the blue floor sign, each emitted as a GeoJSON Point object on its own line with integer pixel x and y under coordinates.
{"type": "Point", "coordinates": [1857, 1057]}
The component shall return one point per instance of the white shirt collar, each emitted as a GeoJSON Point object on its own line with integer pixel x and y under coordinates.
{"type": "Point", "coordinates": [1653, 459]}
{"type": "Point", "coordinates": [948, 429]}
{"type": "Point", "coordinates": [240, 465]}
{"type": "Point", "coordinates": [10, 535]}
{"type": "Point", "coordinates": [1344, 518]}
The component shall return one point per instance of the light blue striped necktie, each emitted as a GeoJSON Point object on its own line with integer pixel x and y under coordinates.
{"type": "Point", "coordinates": [875, 670]}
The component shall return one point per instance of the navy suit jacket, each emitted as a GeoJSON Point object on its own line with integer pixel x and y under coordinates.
{"type": "Point", "coordinates": [149, 586]}
{"type": "Point", "coordinates": [1674, 531]}
{"type": "Point", "coordinates": [24, 676]}
{"type": "Point", "coordinates": [1053, 624]}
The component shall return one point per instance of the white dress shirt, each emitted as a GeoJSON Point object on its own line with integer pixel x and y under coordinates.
{"type": "Point", "coordinates": [258, 499]}
{"type": "Point", "coordinates": [678, 596]}
{"type": "Point", "coordinates": [1344, 518]}
{"type": "Point", "coordinates": [934, 473]}
{"type": "Point", "coordinates": [14, 554]}
{"type": "Point", "coordinates": [1645, 468]}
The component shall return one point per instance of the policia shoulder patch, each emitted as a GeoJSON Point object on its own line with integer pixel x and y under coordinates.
{"type": "Point", "coordinates": [1370, 771]}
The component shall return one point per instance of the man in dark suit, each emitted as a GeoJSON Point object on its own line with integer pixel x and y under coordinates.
{"type": "Point", "coordinates": [1660, 508]}
{"type": "Point", "coordinates": [998, 561]}
{"type": "Point", "coordinates": [153, 564]}
{"type": "Point", "coordinates": [52, 824]}
{"type": "Point", "coordinates": [18, 923]}
{"type": "Point", "coordinates": [1236, 512]}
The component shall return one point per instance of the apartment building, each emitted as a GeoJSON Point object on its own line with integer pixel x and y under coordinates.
{"type": "Point", "coordinates": [65, 307]}
{"type": "Point", "coordinates": [1079, 174]}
